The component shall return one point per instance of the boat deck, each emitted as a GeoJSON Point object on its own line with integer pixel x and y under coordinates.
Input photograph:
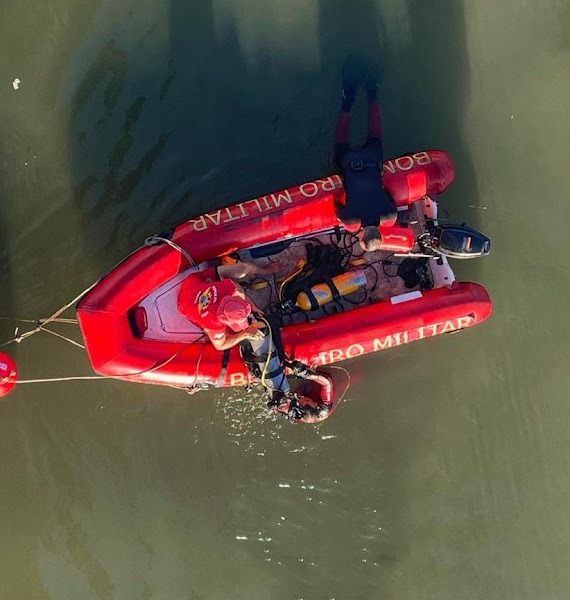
{"type": "Point", "coordinates": [380, 269]}
{"type": "Point", "coordinates": [165, 323]}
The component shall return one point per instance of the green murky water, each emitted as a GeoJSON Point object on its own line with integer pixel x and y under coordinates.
{"type": "Point", "coordinates": [445, 472]}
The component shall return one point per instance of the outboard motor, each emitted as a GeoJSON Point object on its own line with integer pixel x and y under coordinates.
{"type": "Point", "coordinates": [456, 241]}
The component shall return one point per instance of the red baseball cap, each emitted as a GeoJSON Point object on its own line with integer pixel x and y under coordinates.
{"type": "Point", "coordinates": [233, 311]}
{"type": "Point", "coordinates": [199, 300]}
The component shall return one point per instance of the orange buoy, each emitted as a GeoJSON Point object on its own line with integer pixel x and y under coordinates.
{"type": "Point", "coordinates": [8, 374]}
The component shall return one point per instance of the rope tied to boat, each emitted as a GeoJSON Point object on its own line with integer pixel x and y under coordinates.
{"type": "Point", "coordinates": [8, 380]}
{"type": "Point", "coordinates": [41, 323]}
{"type": "Point", "coordinates": [155, 367]}
{"type": "Point", "coordinates": [153, 240]}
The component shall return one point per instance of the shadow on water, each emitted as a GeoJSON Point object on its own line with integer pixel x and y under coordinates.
{"type": "Point", "coordinates": [35, 256]}
{"type": "Point", "coordinates": [428, 91]}
{"type": "Point", "coordinates": [8, 412]}
{"type": "Point", "coordinates": [346, 29]}
{"type": "Point", "coordinates": [228, 113]}
{"type": "Point", "coordinates": [213, 116]}
{"type": "Point", "coordinates": [7, 301]}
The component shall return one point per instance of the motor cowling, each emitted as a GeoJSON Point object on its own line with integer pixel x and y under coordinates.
{"type": "Point", "coordinates": [459, 241]}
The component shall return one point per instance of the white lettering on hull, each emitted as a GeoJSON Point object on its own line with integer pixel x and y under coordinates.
{"type": "Point", "coordinates": [265, 204]}
{"type": "Point", "coordinates": [408, 162]}
{"type": "Point", "coordinates": [393, 340]}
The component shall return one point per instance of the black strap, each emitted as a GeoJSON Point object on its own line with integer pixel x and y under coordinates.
{"type": "Point", "coordinates": [272, 374]}
{"type": "Point", "coordinates": [337, 233]}
{"type": "Point", "coordinates": [276, 335]}
{"type": "Point", "coordinates": [334, 290]}
{"type": "Point", "coordinates": [262, 358]}
{"type": "Point", "coordinates": [225, 361]}
{"type": "Point", "coordinates": [312, 298]}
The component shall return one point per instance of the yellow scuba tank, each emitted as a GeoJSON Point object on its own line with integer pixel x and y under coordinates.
{"type": "Point", "coordinates": [345, 283]}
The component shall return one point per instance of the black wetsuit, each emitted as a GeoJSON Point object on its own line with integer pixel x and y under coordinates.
{"type": "Point", "coordinates": [366, 200]}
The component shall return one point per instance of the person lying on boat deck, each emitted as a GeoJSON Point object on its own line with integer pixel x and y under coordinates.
{"type": "Point", "coordinates": [367, 203]}
{"type": "Point", "coordinates": [212, 300]}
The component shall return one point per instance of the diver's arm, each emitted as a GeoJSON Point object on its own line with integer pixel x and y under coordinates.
{"type": "Point", "coordinates": [240, 270]}
{"type": "Point", "coordinates": [228, 339]}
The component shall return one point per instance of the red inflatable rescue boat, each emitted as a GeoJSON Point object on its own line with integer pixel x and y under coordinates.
{"type": "Point", "coordinates": [134, 331]}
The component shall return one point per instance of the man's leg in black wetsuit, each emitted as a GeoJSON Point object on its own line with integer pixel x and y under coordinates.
{"type": "Point", "coordinates": [374, 118]}
{"type": "Point", "coordinates": [389, 212]}
{"type": "Point", "coordinates": [342, 146]}
{"type": "Point", "coordinates": [342, 129]}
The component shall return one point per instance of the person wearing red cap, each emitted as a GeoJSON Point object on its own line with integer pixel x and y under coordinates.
{"type": "Point", "coordinates": [212, 300]}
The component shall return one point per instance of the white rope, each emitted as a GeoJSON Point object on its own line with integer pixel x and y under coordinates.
{"type": "Point", "coordinates": [62, 379]}
{"type": "Point", "coordinates": [63, 337]}
{"type": "Point", "coordinates": [69, 304]}
{"type": "Point", "coordinates": [62, 320]}
{"type": "Point", "coordinates": [119, 377]}
{"type": "Point", "coordinates": [348, 379]}
{"type": "Point", "coordinates": [154, 239]}
{"type": "Point", "coordinates": [21, 337]}
{"type": "Point", "coordinates": [52, 319]}
{"type": "Point", "coordinates": [150, 241]}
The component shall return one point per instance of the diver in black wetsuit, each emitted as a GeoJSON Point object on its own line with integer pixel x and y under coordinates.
{"type": "Point", "coordinates": [367, 204]}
